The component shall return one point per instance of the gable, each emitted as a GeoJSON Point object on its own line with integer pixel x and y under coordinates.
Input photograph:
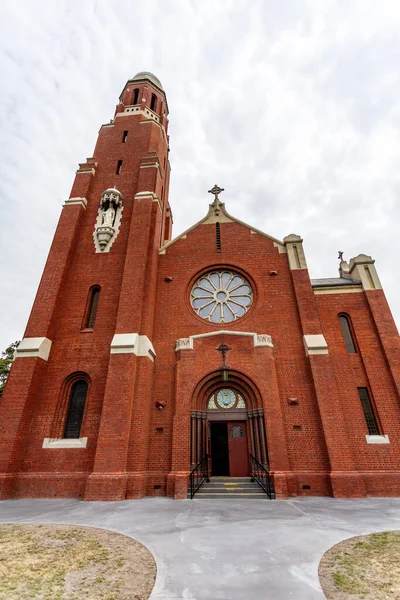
{"type": "Point", "coordinates": [218, 214]}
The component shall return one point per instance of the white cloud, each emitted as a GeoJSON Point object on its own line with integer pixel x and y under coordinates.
{"type": "Point", "coordinates": [292, 107]}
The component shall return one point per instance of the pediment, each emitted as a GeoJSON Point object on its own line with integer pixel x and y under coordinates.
{"type": "Point", "coordinates": [217, 213]}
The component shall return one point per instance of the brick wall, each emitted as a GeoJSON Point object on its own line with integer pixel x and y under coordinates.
{"type": "Point", "coordinates": [316, 443]}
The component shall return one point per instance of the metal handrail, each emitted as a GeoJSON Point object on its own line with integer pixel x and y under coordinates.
{"type": "Point", "coordinates": [198, 476]}
{"type": "Point", "coordinates": [260, 474]}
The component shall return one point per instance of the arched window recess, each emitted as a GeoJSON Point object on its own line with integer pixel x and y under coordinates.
{"type": "Point", "coordinates": [91, 307]}
{"type": "Point", "coordinates": [347, 332]}
{"type": "Point", "coordinates": [76, 409]}
{"type": "Point", "coordinates": [135, 97]}
{"type": "Point", "coordinates": [66, 431]}
{"type": "Point", "coordinates": [153, 103]}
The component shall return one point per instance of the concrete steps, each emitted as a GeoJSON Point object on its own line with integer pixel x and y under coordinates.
{"type": "Point", "coordinates": [231, 487]}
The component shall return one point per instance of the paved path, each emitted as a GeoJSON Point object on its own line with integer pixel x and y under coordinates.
{"type": "Point", "coordinates": [225, 549]}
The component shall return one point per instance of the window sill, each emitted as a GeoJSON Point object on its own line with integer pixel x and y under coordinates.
{"type": "Point", "coordinates": [65, 443]}
{"type": "Point", "coordinates": [86, 330]}
{"type": "Point", "coordinates": [377, 439]}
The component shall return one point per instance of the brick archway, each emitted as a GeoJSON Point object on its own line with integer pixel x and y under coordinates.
{"type": "Point", "coordinates": [193, 385]}
{"type": "Point", "coordinates": [252, 416]}
{"type": "Point", "coordinates": [212, 381]}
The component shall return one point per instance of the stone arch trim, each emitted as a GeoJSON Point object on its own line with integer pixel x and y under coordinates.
{"type": "Point", "coordinates": [254, 415]}
{"type": "Point", "coordinates": [237, 380]}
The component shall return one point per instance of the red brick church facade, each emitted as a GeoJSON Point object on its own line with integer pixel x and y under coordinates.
{"type": "Point", "coordinates": [117, 386]}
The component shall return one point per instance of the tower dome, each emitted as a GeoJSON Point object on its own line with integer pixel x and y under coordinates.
{"type": "Point", "coordinates": [150, 77]}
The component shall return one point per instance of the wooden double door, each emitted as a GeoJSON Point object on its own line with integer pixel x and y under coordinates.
{"type": "Point", "coordinates": [227, 449]}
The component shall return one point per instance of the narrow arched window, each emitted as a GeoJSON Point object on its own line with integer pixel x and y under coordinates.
{"type": "Point", "coordinates": [92, 307]}
{"type": "Point", "coordinates": [369, 413]}
{"type": "Point", "coordinates": [135, 96]}
{"type": "Point", "coordinates": [76, 409]}
{"type": "Point", "coordinates": [347, 334]}
{"type": "Point", "coordinates": [153, 103]}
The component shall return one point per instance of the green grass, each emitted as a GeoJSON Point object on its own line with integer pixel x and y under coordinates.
{"type": "Point", "coordinates": [368, 566]}
{"type": "Point", "coordinates": [44, 561]}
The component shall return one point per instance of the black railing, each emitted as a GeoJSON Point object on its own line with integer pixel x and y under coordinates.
{"type": "Point", "coordinates": [198, 476]}
{"type": "Point", "coordinates": [260, 474]}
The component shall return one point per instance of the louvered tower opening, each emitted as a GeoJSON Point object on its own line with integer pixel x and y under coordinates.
{"type": "Point", "coordinates": [218, 236]}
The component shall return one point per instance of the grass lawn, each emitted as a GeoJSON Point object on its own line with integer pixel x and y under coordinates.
{"type": "Point", "coordinates": [64, 562]}
{"type": "Point", "coordinates": [366, 567]}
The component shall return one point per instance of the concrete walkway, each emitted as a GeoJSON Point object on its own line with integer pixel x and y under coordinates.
{"type": "Point", "coordinates": [225, 549]}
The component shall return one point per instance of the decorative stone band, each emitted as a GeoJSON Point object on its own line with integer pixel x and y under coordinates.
{"type": "Point", "coordinates": [377, 439]}
{"type": "Point", "coordinates": [152, 195]}
{"type": "Point", "coordinates": [132, 343]}
{"type": "Point", "coordinates": [337, 289]}
{"type": "Point", "coordinates": [65, 443]}
{"type": "Point", "coordinates": [258, 339]}
{"type": "Point", "coordinates": [33, 347]}
{"type": "Point", "coordinates": [76, 201]}
{"type": "Point", "coordinates": [144, 195]}
{"type": "Point", "coordinates": [81, 171]}
{"type": "Point", "coordinates": [315, 344]}
{"type": "Point", "coordinates": [136, 109]}
{"type": "Point", "coordinates": [153, 165]}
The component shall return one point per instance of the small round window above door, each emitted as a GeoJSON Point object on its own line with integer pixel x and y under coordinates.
{"type": "Point", "coordinates": [226, 399]}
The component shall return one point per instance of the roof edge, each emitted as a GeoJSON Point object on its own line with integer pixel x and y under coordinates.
{"type": "Point", "coordinates": [335, 282]}
{"type": "Point", "coordinates": [228, 218]}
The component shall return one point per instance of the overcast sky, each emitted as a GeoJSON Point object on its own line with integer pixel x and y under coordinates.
{"type": "Point", "coordinates": [293, 106]}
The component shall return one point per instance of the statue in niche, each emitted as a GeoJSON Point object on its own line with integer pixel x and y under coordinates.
{"type": "Point", "coordinates": [109, 215]}
{"type": "Point", "coordinates": [110, 203]}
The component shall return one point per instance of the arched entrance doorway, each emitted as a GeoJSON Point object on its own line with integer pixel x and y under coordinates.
{"type": "Point", "coordinates": [228, 429]}
{"type": "Point", "coordinates": [227, 433]}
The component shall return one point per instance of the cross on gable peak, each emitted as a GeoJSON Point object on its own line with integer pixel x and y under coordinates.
{"type": "Point", "coordinates": [216, 204]}
{"type": "Point", "coordinates": [216, 190]}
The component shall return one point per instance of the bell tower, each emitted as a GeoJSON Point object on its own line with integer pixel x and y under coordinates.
{"type": "Point", "coordinates": [92, 319]}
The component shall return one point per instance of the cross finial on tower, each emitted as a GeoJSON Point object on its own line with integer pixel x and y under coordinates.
{"type": "Point", "coordinates": [216, 190]}
{"type": "Point", "coordinates": [340, 255]}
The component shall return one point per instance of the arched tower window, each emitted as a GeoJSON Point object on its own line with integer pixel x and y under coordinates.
{"type": "Point", "coordinates": [90, 317]}
{"type": "Point", "coordinates": [346, 328]}
{"type": "Point", "coordinates": [153, 103]}
{"type": "Point", "coordinates": [76, 409]}
{"type": "Point", "coordinates": [135, 97]}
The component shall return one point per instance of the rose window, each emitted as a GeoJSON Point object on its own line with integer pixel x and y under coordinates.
{"type": "Point", "coordinates": [221, 296]}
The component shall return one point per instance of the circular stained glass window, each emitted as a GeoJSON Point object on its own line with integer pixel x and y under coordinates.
{"type": "Point", "coordinates": [226, 398]}
{"type": "Point", "coordinates": [221, 296]}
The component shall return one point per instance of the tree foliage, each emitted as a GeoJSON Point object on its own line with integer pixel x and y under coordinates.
{"type": "Point", "coordinates": [5, 364]}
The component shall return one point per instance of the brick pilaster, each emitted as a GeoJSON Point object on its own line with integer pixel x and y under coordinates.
{"type": "Point", "coordinates": [127, 384]}
{"type": "Point", "coordinates": [387, 331]}
{"type": "Point", "coordinates": [344, 479]}
{"type": "Point", "coordinates": [23, 386]}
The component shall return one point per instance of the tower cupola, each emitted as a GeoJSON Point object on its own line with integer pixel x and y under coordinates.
{"type": "Point", "coordinates": [146, 75]}
{"type": "Point", "coordinates": [144, 93]}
